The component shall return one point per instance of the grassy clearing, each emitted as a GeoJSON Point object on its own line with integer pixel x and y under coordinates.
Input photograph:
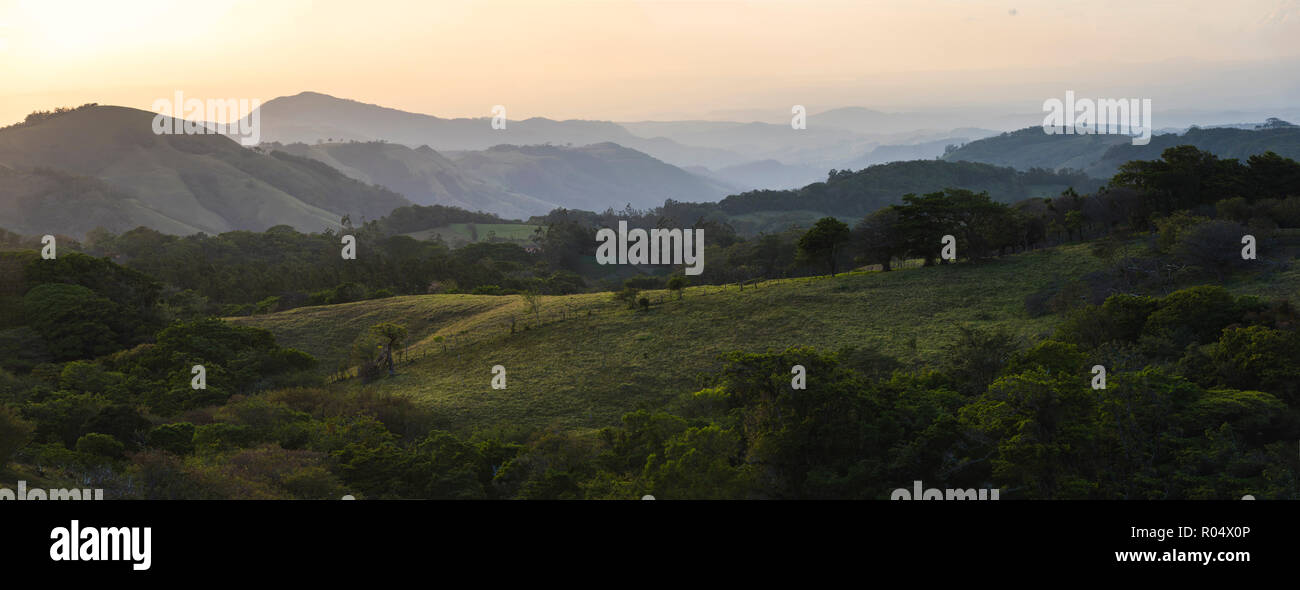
{"type": "Point", "coordinates": [586, 371]}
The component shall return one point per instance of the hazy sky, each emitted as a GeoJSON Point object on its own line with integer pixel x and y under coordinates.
{"type": "Point", "coordinates": [631, 59]}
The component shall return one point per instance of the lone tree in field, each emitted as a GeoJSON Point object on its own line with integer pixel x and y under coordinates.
{"type": "Point", "coordinates": [374, 349]}
{"type": "Point", "coordinates": [824, 241]}
{"type": "Point", "coordinates": [678, 283]}
{"type": "Point", "coordinates": [533, 301]}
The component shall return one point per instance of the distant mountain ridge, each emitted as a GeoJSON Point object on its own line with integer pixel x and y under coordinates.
{"type": "Point", "coordinates": [175, 183]}
{"type": "Point", "coordinates": [1101, 155]}
{"type": "Point", "coordinates": [517, 182]}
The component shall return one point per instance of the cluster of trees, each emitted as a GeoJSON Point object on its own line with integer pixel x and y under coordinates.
{"type": "Point", "coordinates": [1200, 205]}
{"type": "Point", "coordinates": [244, 272]}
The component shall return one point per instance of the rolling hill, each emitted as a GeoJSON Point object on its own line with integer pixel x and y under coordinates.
{"type": "Point", "coordinates": [561, 372]}
{"type": "Point", "coordinates": [422, 175]}
{"type": "Point", "coordinates": [592, 177]}
{"type": "Point", "coordinates": [174, 183]}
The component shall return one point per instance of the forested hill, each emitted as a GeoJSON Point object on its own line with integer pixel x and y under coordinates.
{"type": "Point", "coordinates": [854, 194]}
{"type": "Point", "coordinates": [77, 169]}
{"type": "Point", "coordinates": [1101, 155]}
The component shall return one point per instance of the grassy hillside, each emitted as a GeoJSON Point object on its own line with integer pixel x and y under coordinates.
{"type": "Point", "coordinates": [587, 370]}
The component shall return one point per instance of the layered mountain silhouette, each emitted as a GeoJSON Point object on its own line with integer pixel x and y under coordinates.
{"type": "Point", "coordinates": [423, 175]}
{"type": "Point", "coordinates": [1100, 156]}
{"type": "Point", "coordinates": [517, 181]}
{"type": "Point", "coordinates": [104, 166]}
{"type": "Point", "coordinates": [832, 139]}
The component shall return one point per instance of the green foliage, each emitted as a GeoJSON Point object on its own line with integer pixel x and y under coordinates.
{"type": "Point", "coordinates": [678, 283]}
{"type": "Point", "coordinates": [1195, 314]}
{"type": "Point", "coordinates": [825, 242]}
{"type": "Point", "coordinates": [176, 438]}
{"type": "Point", "coordinates": [73, 322]}
{"type": "Point", "coordinates": [15, 433]}
{"type": "Point", "coordinates": [100, 445]}
{"type": "Point", "coordinates": [1259, 357]}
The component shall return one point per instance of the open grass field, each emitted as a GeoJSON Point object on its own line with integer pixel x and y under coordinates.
{"type": "Point", "coordinates": [585, 371]}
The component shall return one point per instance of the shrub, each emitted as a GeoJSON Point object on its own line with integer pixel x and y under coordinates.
{"type": "Point", "coordinates": [100, 445]}
{"type": "Point", "coordinates": [14, 434]}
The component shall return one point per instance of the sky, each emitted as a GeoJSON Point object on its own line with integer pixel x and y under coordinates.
{"type": "Point", "coordinates": [647, 59]}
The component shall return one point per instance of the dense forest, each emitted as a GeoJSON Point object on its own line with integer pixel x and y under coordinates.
{"type": "Point", "coordinates": [1201, 402]}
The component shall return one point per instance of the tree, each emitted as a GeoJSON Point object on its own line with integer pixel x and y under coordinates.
{"type": "Point", "coordinates": [14, 433]}
{"type": "Point", "coordinates": [1213, 246]}
{"type": "Point", "coordinates": [824, 241]}
{"type": "Point", "coordinates": [878, 238]}
{"type": "Point", "coordinates": [390, 336]}
{"type": "Point", "coordinates": [73, 320]}
{"type": "Point", "coordinates": [678, 283]}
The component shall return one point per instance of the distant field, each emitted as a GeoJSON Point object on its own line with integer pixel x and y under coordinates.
{"type": "Point", "coordinates": [459, 234]}
{"type": "Point", "coordinates": [586, 371]}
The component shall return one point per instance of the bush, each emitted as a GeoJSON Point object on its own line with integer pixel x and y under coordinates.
{"type": "Point", "coordinates": [628, 295]}
{"type": "Point", "coordinates": [221, 437]}
{"type": "Point", "coordinates": [100, 445]}
{"type": "Point", "coordinates": [177, 438]}
{"type": "Point", "coordinates": [14, 434]}
{"type": "Point", "coordinates": [1186, 316]}
{"type": "Point", "coordinates": [678, 283]}
{"type": "Point", "coordinates": [1213, 247]}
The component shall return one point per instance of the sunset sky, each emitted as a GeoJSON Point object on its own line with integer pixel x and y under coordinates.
{"type": "Point", "coordinates": [630, 59]}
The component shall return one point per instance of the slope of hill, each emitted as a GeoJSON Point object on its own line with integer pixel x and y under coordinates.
{"type": "Point", "coordinates": [1101, 155]}
{"type": "Point", "coordinates": [592, 177]}
{"type": "Point", "coordinates": [175, 183]}
{"type": "Point", "coordinates": [44, 201]}
{"type": "Point", "coordinates": [422, 175]}
{"type": "Point", "coordinates": [769, 174]}
{"type": "Point", "coordinates": [1031, 148]}
{"type": "Point", "coordinates": [560, 373]}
